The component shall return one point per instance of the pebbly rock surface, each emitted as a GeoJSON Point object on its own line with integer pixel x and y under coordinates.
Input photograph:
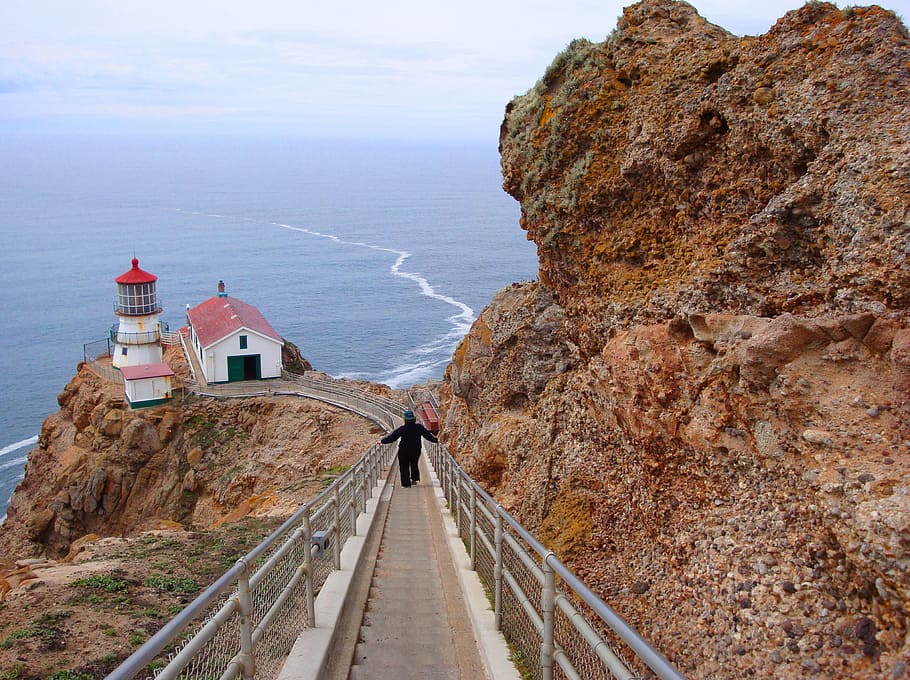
{"type": "Point", "coordinates": [702, 406]}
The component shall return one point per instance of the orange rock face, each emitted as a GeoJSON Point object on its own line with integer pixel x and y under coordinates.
{"type": "Point", "coordinates": [703, 404]}
{"type": "Point", "coordinates": [102, 468]}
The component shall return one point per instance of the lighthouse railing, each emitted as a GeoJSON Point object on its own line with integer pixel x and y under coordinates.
{"type": "Point", "coordinates": [140, 338]}
{"type": "Point", "coordinates": [97, 349]}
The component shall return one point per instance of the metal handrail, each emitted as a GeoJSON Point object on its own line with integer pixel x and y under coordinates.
{"type": "Point", "coordinates": [243, 581]}
{"type": "Point", "coordinates": [500, 531]}
{"type": "Point", "coordinates": [488, 530]}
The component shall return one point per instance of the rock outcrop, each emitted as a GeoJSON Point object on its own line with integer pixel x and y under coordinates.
{"type": "Point", "coordinates": [102, 468]}
{"type": "Point", "coordinates": [702, 405]}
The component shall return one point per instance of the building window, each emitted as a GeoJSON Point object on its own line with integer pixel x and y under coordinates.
{"type": "Point", "coordinates": [123, 351]}
{"type": "Point", "coordinates": [242, 342]}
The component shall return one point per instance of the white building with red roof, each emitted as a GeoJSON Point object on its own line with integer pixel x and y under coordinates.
{"type": "Point", "coordinates": [232, 340]}
{"type": "Point", "coordinates": [147, 384]}
{"type": "Point", "coordinates": [136, 337]}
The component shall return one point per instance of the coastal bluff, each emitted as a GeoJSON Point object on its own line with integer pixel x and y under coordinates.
{"type": "Point", "coordinates": [702, 404]}
{"type": "Point", "coordinates": [125, 515]}
{"type": "Point", "coordinates": [103, 469]}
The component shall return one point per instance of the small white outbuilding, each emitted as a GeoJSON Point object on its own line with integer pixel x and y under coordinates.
{"type": "Point", "coordinates": [147, 384]}
{"type": "Point", "coordinates": [233, 341]}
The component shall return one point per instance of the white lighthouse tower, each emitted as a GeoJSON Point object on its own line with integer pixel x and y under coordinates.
{"type": "Point", "coordinates": [137, 334]}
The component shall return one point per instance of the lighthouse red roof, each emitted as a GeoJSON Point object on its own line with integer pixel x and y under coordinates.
{"type": "Point", "coordinates": [218, 317]}
{"type": "Point", "coordinates": [136, 275]}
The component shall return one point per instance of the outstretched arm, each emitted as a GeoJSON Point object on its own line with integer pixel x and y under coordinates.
{"type": "Point", "coordinates": [427, 434]}
{"type": "Point", "coordinates": [392, 436]}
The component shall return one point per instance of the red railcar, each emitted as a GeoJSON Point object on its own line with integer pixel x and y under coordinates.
{"type": "Point", "coordinates": [429, 417]}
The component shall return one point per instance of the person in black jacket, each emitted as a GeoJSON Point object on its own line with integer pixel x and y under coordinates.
{"type": "Point", "coordinates": [409, 447]}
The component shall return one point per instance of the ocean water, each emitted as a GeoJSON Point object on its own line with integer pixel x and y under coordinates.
{"type": "Point", "coordinates": [374, 257]}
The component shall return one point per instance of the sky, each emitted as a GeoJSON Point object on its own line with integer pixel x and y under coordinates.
{"type": "Point", "coordinates": [330, 69]}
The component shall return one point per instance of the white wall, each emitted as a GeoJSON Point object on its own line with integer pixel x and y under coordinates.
{"type": "Point", "coordinates": [269, 351]}
{"type": "Point", "coordinates": [148, 389]}
{"type": "Point", "coordinates": [149, 328]}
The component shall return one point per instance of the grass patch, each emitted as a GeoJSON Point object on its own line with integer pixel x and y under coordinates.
{"type": "Point", "coordinates": [171, 584]}
{"type": "Point", "coordinates": [43, 630]}
{"type": "Point", "coordinates": [70, 675]}
{"type": "Point", "coordinates": [148, 613]}
{"type": "Point", "coordinates": [20, 670]}
{"type": "Point", "coordinates": [336, 470]}
{"type": "Point", "coordinates": [207, 433]}
{"type": "Point", "coordinates": [107, 583]}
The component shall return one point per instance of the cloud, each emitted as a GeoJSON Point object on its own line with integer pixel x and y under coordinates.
{"type": "Point", "coordinates": [402, 66]}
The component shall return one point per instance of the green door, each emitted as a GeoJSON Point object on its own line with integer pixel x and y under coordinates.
{"type": "Point", "coordinates": [247, 367]}
{"type": "Point", "coordinates": [235, 368]}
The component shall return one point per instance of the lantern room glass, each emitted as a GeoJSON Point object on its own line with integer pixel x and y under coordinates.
{"type": "Point", "coordinates": [137, 299]}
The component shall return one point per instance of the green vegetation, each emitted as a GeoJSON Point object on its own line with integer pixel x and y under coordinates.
{"type": "Point", "coordinates": [207, 433]}
{"type": "Point", "coordinates": [44, 630]}
{"type": "Point", "coordinates": [171, 584]}
{"type": "Point", "coordinates": [70, 675]}
{"type": "Point", "coordinates": [136, 638]}
{"type": "Point", "coordinates": [148, 613]}
{"type": "Point", "coordinates": [520, 661]}
{"type": "Point", "coordinates": [14, 673]}
{"type": "Point", "coordinates": [90, 598]}
{"type": "Point", "coordinates": [336, 470]}
{"type": "Point", "coordinates": [107, 583]}
{"type": "Point", "coordinates": [155, 665]}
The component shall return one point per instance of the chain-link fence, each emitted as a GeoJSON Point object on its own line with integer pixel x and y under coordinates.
{"type": "Point", "coordinates": [556, 626]}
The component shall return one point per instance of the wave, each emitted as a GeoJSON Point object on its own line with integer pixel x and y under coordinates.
{"type": "Point", "coordinates": [15, 462]}
{"type": "Point", "coordinates": [413, 370]}
{"type": "Point", "coordinates": [18, 445]}
{"type": "Point", "coordinates": [420, 362]}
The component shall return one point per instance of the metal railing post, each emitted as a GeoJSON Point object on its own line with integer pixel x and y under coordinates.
{"type": "Point", "coordinates": [497, 572]}
{"type": "Point", "coordinates": [547, 608]}
{"type": "Point", "coordinates": [245, 607]}
{"type": "Point", "coordinates": [371, 466]}
{"type": "Point", "coordinates": [473, 541]}
{"type": "Point", "coordinates": [352, 506]}
{"type": "Point", "coordinates": [377, 466]}
{"type": "Point", "coordinates": [457, 496]}
{"type": "Point", "coordinates": [336, 519]}
{"type": "Point", "coordinates": [308, 568]}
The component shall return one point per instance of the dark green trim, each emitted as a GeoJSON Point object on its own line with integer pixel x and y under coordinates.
{"type": "Point", "coordinates": [145, 404]}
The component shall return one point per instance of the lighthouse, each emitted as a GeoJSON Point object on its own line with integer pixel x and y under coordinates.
{"type": "Point", "coordinates": [136, 336]}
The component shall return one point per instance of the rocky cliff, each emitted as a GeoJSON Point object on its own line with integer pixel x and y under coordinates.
{"type": "Point", "coordinates": [125, 515]}
{"type": "Point", "coordinates": [702, 405]}
{"type": "Point", "coordinates": [101, 468]}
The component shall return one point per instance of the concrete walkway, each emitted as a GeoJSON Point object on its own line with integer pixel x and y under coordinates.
{"type": "Point", "coordinates": [415, 624]}
{"type": "Point", "coordinates": [405, 603]}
